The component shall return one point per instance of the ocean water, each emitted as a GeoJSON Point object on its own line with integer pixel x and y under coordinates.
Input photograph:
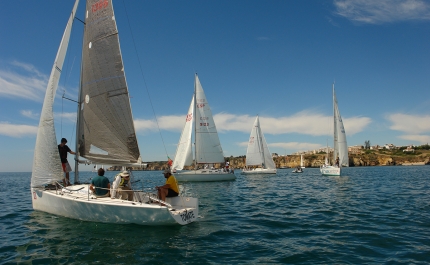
{"type": "Point", "coordinates": [370, 215]}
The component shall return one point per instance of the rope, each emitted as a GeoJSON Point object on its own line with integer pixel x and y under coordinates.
{"type": "Point", "coordinates": [144, 81]}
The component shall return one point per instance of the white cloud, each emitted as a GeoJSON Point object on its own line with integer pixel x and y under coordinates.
{"type": "Point", "coordinates": [25, 82]}
{"type": "Point", "coordinates": [422, 139]}
{"type": "Point", "coordinates": [70, 116]}
{"type": "Point", "coordinates": [382, 11]}
{"type": "Point", "coordinates": [305, 122]}
{"type": "Point", "coordinates": [17, 130]}
{"type": "Point", "coordinates": [410, 124]}
{"type": "Point", "coordinates": [290, 146]}
{"type": "Point", "coordinates": [30, 114]}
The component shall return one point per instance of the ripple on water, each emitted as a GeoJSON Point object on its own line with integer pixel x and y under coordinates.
{"type": "Point", "coordinates": [369, 216]}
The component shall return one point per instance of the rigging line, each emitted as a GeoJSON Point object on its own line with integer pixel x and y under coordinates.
{"type": "Point", "coordinates": [144, 81]}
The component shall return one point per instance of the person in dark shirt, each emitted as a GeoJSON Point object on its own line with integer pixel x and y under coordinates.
{"type": "Point", "coordinates": [100, 185]}
{"type": "Point", "coordinates": [63, 149]}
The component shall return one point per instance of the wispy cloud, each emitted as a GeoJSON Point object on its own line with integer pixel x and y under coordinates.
{"type": "Point", "coordinates": [305, 122]}
{"type": "Point", "coordinates": [69, 116]}
{"type": "Point", "coordinates": [17, 130]}
{"type": "Point", "coordinates": [383, 11]}
{"type": "Point", "coordinates": [24, 82]}
{"type": "Point", "coordinates": [410, 124]}
{"type": "Point", "coordinates": [290, 146]}
{"type": "Point", "coordinates": [415, 127]}
{"type": "Point", "coordinates": [422, 139]}
{"type": "Point", "coordinates": [30, 114]}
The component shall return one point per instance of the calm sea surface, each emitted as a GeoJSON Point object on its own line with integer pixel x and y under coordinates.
{"type": "Point", "coordinates": [370, 215]}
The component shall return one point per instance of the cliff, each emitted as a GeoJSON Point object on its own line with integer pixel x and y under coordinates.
{"type": "Point", "coordinates": [292, 161]}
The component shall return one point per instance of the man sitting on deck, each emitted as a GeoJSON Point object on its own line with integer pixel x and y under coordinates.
{"type": "Point", "coordinates": [122, 187]}
{"type": "Point", "coordinates": [100, 185]}
{"type": "Point", "coordinates": [170, 189]}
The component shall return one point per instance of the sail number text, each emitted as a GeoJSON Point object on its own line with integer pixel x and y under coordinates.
{"type": "Point", "coordinates": [189, 117]}
{"type": "Point", "coordinates": [99, 5]}
{"type": "Point", "coordinates": [187, 216]}
{"type": "Point", "coordinates": [204, 124]}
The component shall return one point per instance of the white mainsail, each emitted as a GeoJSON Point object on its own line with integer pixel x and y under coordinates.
{"type": "Point", "coordinates": [258, 153]}
{"type": "Point", "coordinates": [184, 153]}
{"type": "Point", "coordinates": [208, 147]}
{"type": "Point", "coordinates": [104, 97]}
{"type": "Point", "coordinates": [46, 161]}
{"type": "Point", "coordinates": [340, 145]}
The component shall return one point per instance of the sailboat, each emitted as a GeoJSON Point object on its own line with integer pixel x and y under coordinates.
{"type": "Point", "coordinates": [207, 151]}
{"type": "Point", "coordinates": [258, 153]}
{"type": "Point", "coordinates": [302, 161]}
{"type": "Point", "coordinates": [339, 144]}
{"type": "Point", "coordinates": [105, 134]}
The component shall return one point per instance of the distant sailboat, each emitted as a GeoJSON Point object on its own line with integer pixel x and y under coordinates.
{"type": "Point", "coordinates": [207, 149]}
{"type": "Point", "coordinates": [258, 153]}
{"type": "Point", "coordinates": [105, 134]}
{"type": "Point", "coordinates": [339, 144]}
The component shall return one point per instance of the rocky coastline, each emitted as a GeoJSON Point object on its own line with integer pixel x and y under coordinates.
{"type": "Point", "coordinates": [314, 161]}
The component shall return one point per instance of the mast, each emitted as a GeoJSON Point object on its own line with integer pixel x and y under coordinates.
{"type": "Point", "coordinates": [260, 144]}
{"type": "Point", "coordinates": [335, 147]}
{"type": "Point", "coordinates": [78, 114]}
{"type": "Point", "coordinates": [195, 121]}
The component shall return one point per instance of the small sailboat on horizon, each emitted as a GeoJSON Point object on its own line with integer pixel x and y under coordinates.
{"type": "Point", "coordinates": [340, 148]}
{"type": "Point", "coordinates": [258, 154]}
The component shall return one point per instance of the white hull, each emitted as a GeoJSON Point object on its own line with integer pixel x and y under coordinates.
{"type": "Point", "coordinates": [258, 171]}
{"type": "Point", "coordinates": [78, 205]}
{"type": "Point", "coordinates": [330, 171]}
{"type": "Point", "coordinates": [296, 171]}
{"type": "Point", "coordinates": [203, 175]}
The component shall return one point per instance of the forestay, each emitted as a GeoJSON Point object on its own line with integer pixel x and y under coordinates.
{"type": "Point", "coordinates": [106, 132]}
{"type": "Point", "coordinates": [46, 162]}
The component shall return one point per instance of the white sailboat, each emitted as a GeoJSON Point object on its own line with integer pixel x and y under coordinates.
{"type": "Point", "coordinates": [302, 161]}
{"type": "Point", "coordinates": [339, 144]}
{"type": "Point", "coordinates": [207, 149]}
{"type": "Point", "coordinates": [258, 153]}
{"type": "Point", "coordinates": [105, 134]}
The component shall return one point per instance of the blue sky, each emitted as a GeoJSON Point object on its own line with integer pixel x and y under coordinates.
{"type": "Point", "coordinates": [277, 59]}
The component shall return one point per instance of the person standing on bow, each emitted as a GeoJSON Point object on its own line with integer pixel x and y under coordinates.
{"type": "Point", "coordinates": [170, 189]}
{"type": "Point", "coordinates": [121, 187]}
{"type": "Point", "coordinates": [63, 149]}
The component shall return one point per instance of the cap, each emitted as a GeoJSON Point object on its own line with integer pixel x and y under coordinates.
{"type": "Point", "coordinates": [167, 171]}
{"type": "Point", "coordinates": [125, 174]}
{"type": "Point", "coordinates": [63, 140]}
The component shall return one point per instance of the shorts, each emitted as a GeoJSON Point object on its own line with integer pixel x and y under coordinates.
{"type": "Point", "coordinates": [66, 167]}
{"type": "Point", "coordinates": [172, 193]}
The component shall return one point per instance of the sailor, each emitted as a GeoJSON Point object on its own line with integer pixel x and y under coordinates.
{"type": "Point", "coordinates": [121, 187]}
{"type": "Point", "coordinates": [63, 149]}
{"type": "Point", "coordinates": [170, 189]}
